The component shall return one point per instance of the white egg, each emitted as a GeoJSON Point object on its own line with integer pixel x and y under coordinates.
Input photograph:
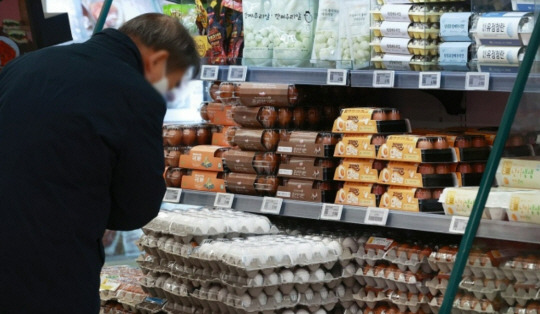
{"type": "Point", "coordinates": [246, 300]}
{"type": "Point", "coordinates": [287, 276]}
{"type": "Point", "coordinates": [301, 275]}
{"type": "Point", "coordinates": [272, 279]}
{"type": "Point", "coordinates": [258, 280]}
{"type": "Point", "coordinates": [350, 269]}
{"type": "Point", "coordinates": [262, 298]}
{"type": "Point", "coordinates": [288, 312]}
{"type": "Point", "coordinates": [309, 294]}
{"type": "Point", "coordinates": [301, 311]}
{"type": "Point", "coordinates": [324, 293]}
{"type": "Point", "coordinates": [336, 247]}
{"type": "Point", "coordinates": [293, 295]}
{"type": "Point", "coordinates": [278, 297]}
{"type": "Point", "coordinates": [320, 311]}
{"type": "Point", "coordinates": [318, 274]}
{"type": "Point", "coordinates": [222, 294]}
{"type": "Point", "coordinates": [340, 291]}
{"type": "Point", "coordinates": [350, 244]}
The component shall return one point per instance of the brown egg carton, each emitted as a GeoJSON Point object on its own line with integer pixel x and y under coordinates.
{"type": "Point", "coordinates": [260, 163]}
{"type": "Point", "coordinates": [308, 144]}
{"type": "Point", "coordinates": [391, 277]}
{"type": "Point", "coordinates": [256, 140]}
{"type": "Point", "coordinates": [307, 190]}
{"type": "Point", "coordinates": [251, 184]}
{"type": "Point", "coordinates": [310, 168]}
{"type": "Point", "coordinates": [266, 94]}
{"type": "Point", "coordinates": [187, 135]}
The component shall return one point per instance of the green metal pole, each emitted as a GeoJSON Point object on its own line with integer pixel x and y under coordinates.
{"type": "Point", "coordinates": [491, 168]}
{"type": "Point", "coordinates": [102, 16]}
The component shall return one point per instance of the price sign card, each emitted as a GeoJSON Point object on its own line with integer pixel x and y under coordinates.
{"type": "Point", "coordinates": [458, 224]}
{"type": "Point", "coordinates": [271, 205]}
{"type": "Point", "coordinates": [477, 81]}
{"type": "Point", "coordinates": [209, 72]}
{"type": "Point", "coordinates": [376, 216]}
{"type": "Point", "coordinates": [336, 77]}
{"type": "Point", "coordinates": [429, 80]}
{"type": "Point", "coordinates": [383, 78]}
{"type": "Point", "coordinates": [172, 195]}
{"type": "Point", "coordinates": [331, 211]}
{"type": "Point", "coordinates": [237, 73]}
{"type": "Point", "coordinates": [224, 200]}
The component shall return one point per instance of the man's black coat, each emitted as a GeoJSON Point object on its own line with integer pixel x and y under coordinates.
{"type": "Point", "coordinates": [80, 151]}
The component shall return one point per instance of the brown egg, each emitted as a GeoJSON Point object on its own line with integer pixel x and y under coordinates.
{"type": "Point", "coordinates": [285, 117]}
{"type": "Point", "coordinates": [422, 194]}
{"type": "Point", "coordinates": [268, 117]}
{"type": "Point", "coordinates": [204, 111]}
{"type": "Point", "coordinates": [515, 140]}
{"type": "Point", "coordinates": [424, 143]}
{"type": "Point", "coordinates": [189, 136]}
{"type": "Point", "coordinates": [174, 177]}
{"type": "Point", "coordinates": [326, 139]}
{"type": "Point", "coordinates": [330, 112]}
{"type": "Point", "coordinates": [415, 249]}
{"type": "Point", "coordinates": [270, 140]}
{"type": "Point", "coordinates": [214, 88]}
{"type": "Point", "coordinates": [285, 159]}
{"type": "Point", "coordinates": [378, 140]}
{"type": "Point", "coordinates": [378, 115]}
{"type": "Point", "coordinates": [463, 141]}
{"type": "Point", "coordinates": [299, 117]}
{"type": "Point", "coordinates": [402, 249]}
{"type": "Point", "coordinates": [379, 165]}
{"type": "Point", "coordinates": [464, 168]}
{"type": "Point", "coordinates": [478, 167]}
{"type": "Point", "coordinates": [436, 193]}
{"type": "Point", "coordinates": [293, 95]}
{"type": "Point", "coordinates": [226, 90]}
{"type": "Point", "coordinates": [174, 135]}
{"type": "Point", "coordinates": [426, 251]}
{"type": "Point", "coordinates": [172, 157]}
{"type": "Point", "coordinates": [325, 163]}
{"type": "Point", "coordinates": [440, 143]}
{"type": "Point", "coordinates": [259, 163]}
{"type": "Point", "coordinates": [272, 184]}
{"type": "Point", "coordinates": [378, 189]}
{"type": "Point", "coordinates": [426, 169]}
{"type": "Point", "coordinates": [478, 141]}
{"type": "Point", "coordinates": [204, 136]}
{"type": "Point", "coordinates": [313, 117]}
{"type": "Point", "coordinates": [164, 135]}
{"type": "Point", "coordinates": [393, 114]}
{"type": "Point", "coordinates": [442, 169]}
{"type": "Point", "coordinates": [270, 163]}
{"type": "Point", "coordinates": [220, 152]}
{"type": "Point", "coordinates": [284, 135]}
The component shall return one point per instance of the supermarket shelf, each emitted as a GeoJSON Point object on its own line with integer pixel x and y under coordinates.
{"type": "Point", "coordinates": [501, 230]}
{"type": "Point", "coordinates": [305, 76]}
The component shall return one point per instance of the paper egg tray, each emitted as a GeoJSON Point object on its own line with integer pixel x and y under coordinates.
{"type": "Point", "coordinates": [369, 256]}
{"type": "Point", "coordinates": [522, 271]}
{"type": "Point", "coordinates": [437, 284]}
{"type": "Point", "coordinates": [394, 279]}
{"type": "Point", "coordinates": [352, 307]}
{"type": "Point", "coordinates": [481, 288]}
{"type": "Point", "coordinates": [409, 259]}
{"type": "Point", "coordinates": [148, 307]}
{"type": "Point", "coordinates": [470, 303]}
{"type": "Point", "coordinates": [530, 308]}
{"type": "Point", "coordinates": [521, 293]}
{"type": "Point", "coordinates": [404, 301]}
{"type": "Point", "coordinates": [482, 267]}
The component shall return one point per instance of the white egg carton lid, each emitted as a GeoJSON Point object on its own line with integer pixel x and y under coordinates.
{"type": "Point", "coordinates": [482, 288]}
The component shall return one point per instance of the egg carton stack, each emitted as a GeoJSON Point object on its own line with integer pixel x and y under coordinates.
{"type": "Point", "coordinates": [457, 51]}
{"type": "Point", "coordinates": [406, 36]}
{"type": "Point", "coordinates": [501, 38]}
{"type": "Point", "coordinates": [394, 276]}
{"type": "Point", "coordinates": [493, 281]}
{"type": "Point", "coordinates": [173, 235]}
{"type": "Point", "coordinates": [178, 140]}
{"type": "Point", "coordinates": [364, 131]}
{"type": "Point", "coordinates": [120, 291]}
{"type": "Point", "coordinates": [218, 113]}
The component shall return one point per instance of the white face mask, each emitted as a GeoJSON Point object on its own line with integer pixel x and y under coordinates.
{"type": "Point", "coordinates": [162, 86]}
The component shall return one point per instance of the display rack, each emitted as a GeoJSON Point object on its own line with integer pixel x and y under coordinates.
{"type": "Point", "coordinates": [501, 230]}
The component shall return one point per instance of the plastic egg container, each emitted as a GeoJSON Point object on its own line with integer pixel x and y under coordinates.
{"type": "Point", "coordinates": [409, 257]}
{"type": "Point", "coordinates": [391, 277]}
{"type": "Point", "coordinates": [199, 224]}
{"type": "Point", "coordinates": [523, 269]}
{"type": "Point", "coordinates": [521, 293]}
{"type": "Point", "coordinates": [484, 288]}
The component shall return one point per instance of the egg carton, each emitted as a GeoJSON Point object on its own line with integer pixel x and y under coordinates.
{"type": "Point", "coordinates": [410, 302]}
{"type": "Point", "coordinates": [176, 308]}
{"type": "Point", "coordinates": [373, 250]}
{"type": "Point", "coordinates": [346, 294]}
{"type": "Point", "coordinates": [150, 306]}
{"type": "Point", "coordinates": [484, 288]}
{"type": "Point", "coordinates": [395, 279]}
{"type": "Point", "coordinates": [412, 259]}
{"type": "Point", "coordinates": [146, 262]}
{"type": "Point", "coordinates": [470, 303]}
{"type": "Point", "coordinates": [438, 284]}
{"type": "Point", "coordinates": [522, 269]}
{"type": "Point", "coordinates": [355, 307]}
{"type": "Point", "coordinates": [370, 296]}
{"type": "Point", "coordinates": [521, 293]}
{"type": "Point", "coordinates": [530, 308]}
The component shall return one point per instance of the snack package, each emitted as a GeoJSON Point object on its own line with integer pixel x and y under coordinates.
{"type": "Point", "coordinates": [186, 15]}
{"type": "Point", "coordinates": [357, 27]}
{"type": "Point", "coordinates": [216, 37]}
{"type": "Point", "coordinates": [258, 33]}
{"type": "Point", "coordinates": [236, 41]}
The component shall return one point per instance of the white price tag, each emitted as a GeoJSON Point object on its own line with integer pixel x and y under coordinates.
{"type": "Point", "coordinates": [271, 205]}
{"type": "Point", "coordinates": [172, 195]}
{"type": "Point", "coordinates": [331, 211]}
{"type": "Point", "coordinates": [458, 224]}
{"type": "Point", "coordinates": [429, 80]}
{"type": "Point", "coordinates": [376, 216]}
{"type": "Point", "coordinates": [209, 72]}
{"type": "Point", "coordinates": [477, 81]}
{"type": "Point", "coordinates": [383, 78]}
{"type": "Point", "coordinates": [237, 73]}
{"type": "Point", "coordinates": [224, 200]}
{"type": "Point", "coordinates": [336, 77]}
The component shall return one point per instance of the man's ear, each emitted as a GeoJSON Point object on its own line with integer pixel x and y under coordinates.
{"type": "Point", "coordinates": [155, 64]}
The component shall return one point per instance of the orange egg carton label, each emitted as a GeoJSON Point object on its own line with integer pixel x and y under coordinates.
{"type": "Point", "coordinates": [405, 148]}
{"type": "Point", "coordinates": [355, 146]}
{"type": "Point", "coordinates": [220, 114]}
{"type": "Point", "coordinates": [356, 194]}
{"type": "Point", "coordinates": [406, 174]}
{"type": "Point", "coordinates": [357, 170]}
{"type": "Point", "coordinates": [221, 138]}
{"type": "Point", "coordinates": [400, 199]}
{"type": "Point", "coordinates": [356, 120]}
{"type": "Point", "coordinates": [209, 181]}
{"type": "Point", "coordinates": [203, 157]}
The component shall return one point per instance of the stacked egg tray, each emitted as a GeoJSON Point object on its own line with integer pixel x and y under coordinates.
{"type": "Point", "coordinates": [227, 270]}
{"type": "Point", "coordinates": [120, 291]}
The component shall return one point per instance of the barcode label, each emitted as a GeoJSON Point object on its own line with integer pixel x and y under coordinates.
{"type": "Point", "coordinates": [224, 200]}
{"type": "Point", "coordinates": [477, 81]}
{"type": "Point", "coordinates": [172, 195]}
{"type": "Point", "coordinates": [209, 72]}
{"type": "Point", "coordinates": [271, 205]}
{"type": "Point", "coordinates": [237, 73]}
{"type": "Point", "coordinates": [283, 194]}
{"type": "Point", "coordinates": [376, 216]}
{"type": "Point", "coordinates": [429, 80]}
{"type": "Point", "coordinates": [458, 224]}
{"type": "Point", "coordinates": [336, 77]}
{"type": "Point", "coordinates": [331, 212]}
{"type": "Point", "coordinates": [383, 78]}
{"type": "Point", "coordinates": [284, 149]}
{"type": "Point", "coordinates": [285, 172]}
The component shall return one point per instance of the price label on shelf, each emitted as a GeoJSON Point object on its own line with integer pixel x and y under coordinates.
{"type": "Point", "coordinates": [383, 78]}
{"type": "Point", "coordinates": [237, 73]}
{"type": "Point", "coordinates": [271, 205]}
{"type": "Point", "coordinates": [429, 80]}
{"type": "Point", "coordinates": [458, 224]}
{"type": "Point", "coordinates": [376, 216]}
{"type": "Point", "coordinates": [477, 81]}
{"type": "Point", "coordinates": [209, 72]}
{"type": "Point", "coordinates": [336, 77]}
{"type": "Point", "coordinates": [172, 195]}
{"type": "Point", "coordinates": [224, 200]}
{"type": "Point", "coordinates": [331, 211]}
